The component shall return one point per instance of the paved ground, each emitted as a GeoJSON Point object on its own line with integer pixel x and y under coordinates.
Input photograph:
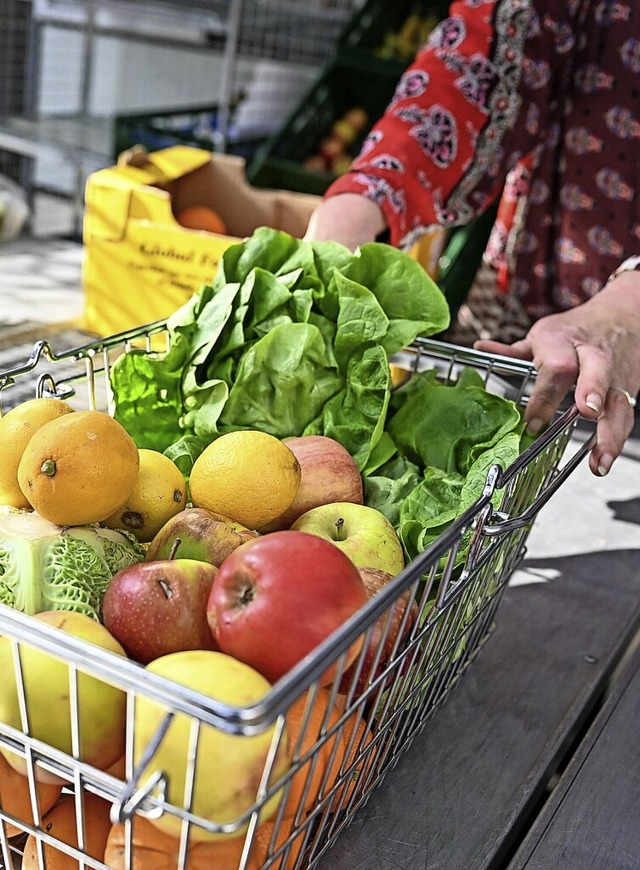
{"type": "Point", "coordinates": [40, 284]}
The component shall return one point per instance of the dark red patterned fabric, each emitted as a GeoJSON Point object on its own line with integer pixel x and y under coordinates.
{"type": "Point", "coordinates": [543, 95]}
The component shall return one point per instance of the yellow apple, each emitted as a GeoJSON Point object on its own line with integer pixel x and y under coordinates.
{"type": "Point", "coordinates": [46, 679]}
{"type": "Point", "coordinates": [229, 767]}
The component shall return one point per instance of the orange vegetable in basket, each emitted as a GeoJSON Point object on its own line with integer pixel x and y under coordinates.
{"type": "Point", "coordinates": [201, 217]}
{"type": "Point", "coordinates": [355, 746]}
{"type": "Point", "coordinates": [155, 850]}
{"type": "Point", "coordinates": [60, 822]}
{"type": "Point", "coordinates": [308, 781]}
{"type": "Point", "coordinates": [260, 851]}
{"type": "Point", "coordinates": [14, 795]}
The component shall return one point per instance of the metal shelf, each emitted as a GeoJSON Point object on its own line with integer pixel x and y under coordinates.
{"type": "Point", "coordinates": [301, 32]}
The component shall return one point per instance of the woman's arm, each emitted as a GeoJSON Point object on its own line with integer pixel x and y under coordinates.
{"type": "Point", "coordinates": [460, 118]}
{"type": "Point", "coordinates": [348, 218]}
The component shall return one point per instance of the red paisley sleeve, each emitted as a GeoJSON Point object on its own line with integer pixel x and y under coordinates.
{"type": "Point", "coordinates": [437, 155]}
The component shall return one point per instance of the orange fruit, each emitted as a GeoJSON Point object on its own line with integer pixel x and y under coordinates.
{"type": "Point", "coordinates": [202, 217]}
{"type": "Point", "coordinates": [354, 747]}
{"type": "Point", "coordinates": [17, 427]}
{"type": "Point", "coordinates": [159, 493]}
{"type": "Point", "coordinates": [156, 850]}
{"type": "Point", "coordinates": [262, 842]}
{"type": "Point", "coordinates": [312, 776]}
{"type": "Point", "coordinates": [249, 476]}
{"type": "Point", "coordinates": [79, 468]}
{"type": "Point", "coordinates": [15, 797]}
{"type": "Point", "coordinates": [60, 822]}
{"type": "Point", "coordinates": [153, 849]}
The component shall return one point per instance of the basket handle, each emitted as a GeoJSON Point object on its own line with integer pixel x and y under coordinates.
{"type": "Point", "coordinates": [509, 524]}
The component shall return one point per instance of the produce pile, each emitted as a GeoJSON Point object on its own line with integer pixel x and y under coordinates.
{"type": "Point", "coordinates": [402, 44]}
{"type": "Point", "coordinates": [295, 338]}
{"type": "Point", "coordinates": [339, 146]}
{"type": "Point", "coordinates": [257, 485]}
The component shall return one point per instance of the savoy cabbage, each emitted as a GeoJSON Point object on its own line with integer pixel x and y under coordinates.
{"type": "Point", "coordinates": [48, 567]}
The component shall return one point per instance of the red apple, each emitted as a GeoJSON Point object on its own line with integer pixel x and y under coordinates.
{"type": "Point", "coordinates": [330, 147]}
{"type": "Point", "coordinates": [385, 631]}
{"type": "Point", "coordinates": [157, 608]}
{"type": "Point", "coordinates": [276, 598]}
{"type": "Point", "coordinates": [329, 475]}
{"type": "Point", "coordinates": [315, 163]}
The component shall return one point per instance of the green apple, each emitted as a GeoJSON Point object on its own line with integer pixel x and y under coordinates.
{"type": "Point", "coordinates": [362, 532]}
{"type": "Point", "coordinates": [228, 767]}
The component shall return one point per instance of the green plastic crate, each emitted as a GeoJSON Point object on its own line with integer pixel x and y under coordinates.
{"type": "Point", "coordinates": [340, 87]}
{"type": "Point", "coordinates": [462, 257]}
{"type": "Point", "coordinates": [369, 31]}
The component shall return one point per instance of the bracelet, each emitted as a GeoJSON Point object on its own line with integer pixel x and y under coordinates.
{"type": "Point", "coordinates": [629, 265]}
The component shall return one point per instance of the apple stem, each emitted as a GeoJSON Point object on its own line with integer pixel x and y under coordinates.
{"type": "Point", "coordinates": [166, 588]}
{"type": "Point", "coordinates": [174, 548]}
{"type": "Point", "coordinates": [339, 528]}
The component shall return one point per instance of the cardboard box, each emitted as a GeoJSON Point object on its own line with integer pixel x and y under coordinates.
{"type": "Point", "coordinates": [140, 265]}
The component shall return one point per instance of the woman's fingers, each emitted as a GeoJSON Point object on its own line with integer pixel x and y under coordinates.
{"type": "Point", "coordinates": [555, 358]}
{"type": "Point", "coordinates": [614, 427]}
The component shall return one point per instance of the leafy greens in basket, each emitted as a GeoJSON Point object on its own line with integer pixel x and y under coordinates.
{"type": "Point", "coordinates": [293, 338]}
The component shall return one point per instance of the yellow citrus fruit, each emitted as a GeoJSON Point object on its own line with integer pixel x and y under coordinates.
{"type": "Point", "coordinates": [16, 428]}
{"type": "Point", "coordinates": [399, 375]}
{"type": "Point", "coordinates": [79, 468]}
{"type": "Point", "coordinates": [159, 493]}
{"type": "Point", "coordinates": [249, 476]}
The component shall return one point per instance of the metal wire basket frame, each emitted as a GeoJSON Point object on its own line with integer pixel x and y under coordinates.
{"type": "Point", "coordinates": [447, 597]}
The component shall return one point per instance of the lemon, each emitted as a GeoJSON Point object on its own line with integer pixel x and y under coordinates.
{"type": "Point", "coordinates": [399, 375]}
{"type": "Point", "coordinates": [16, 428]}
{"type": "Point", "coordinates": [159, 493]}
{"type": "Point", "coordinates": [249, 476]}
{"type": "Point", "coordinates": [79, 468]}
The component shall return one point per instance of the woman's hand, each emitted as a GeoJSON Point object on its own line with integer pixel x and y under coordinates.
{"type": "Point", "coordinates": [595, 346]}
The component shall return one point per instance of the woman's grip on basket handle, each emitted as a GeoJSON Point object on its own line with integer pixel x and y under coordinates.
{"type": "Point", "coordinates": [595, 346]}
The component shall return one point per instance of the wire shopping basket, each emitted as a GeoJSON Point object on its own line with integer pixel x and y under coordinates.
{"type": "Point", "coordinates": [417, 636]}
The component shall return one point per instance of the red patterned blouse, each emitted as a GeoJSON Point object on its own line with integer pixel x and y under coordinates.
{"type": "Point", "coordinates": [541, 97]}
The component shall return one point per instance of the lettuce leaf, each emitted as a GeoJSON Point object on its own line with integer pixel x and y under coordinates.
{"type": "Point", "coordinates": [449, 427]}
{"type": "Point", "coordinates": [290, 336]}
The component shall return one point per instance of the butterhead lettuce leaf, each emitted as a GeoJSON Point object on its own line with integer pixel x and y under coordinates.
{"type": "Point", "coordinates": [290, 334]}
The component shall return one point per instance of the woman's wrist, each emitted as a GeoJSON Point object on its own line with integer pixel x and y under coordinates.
{"type": "Point", "coordinates": [620, 298]}
{"type": "Point", "coordinates": [349, 218]}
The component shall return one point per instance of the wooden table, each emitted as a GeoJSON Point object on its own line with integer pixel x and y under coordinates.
{"type": "Point", "coordinates": [470, 792]}
{"type": "Point", "coordinates": [593, 816]}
